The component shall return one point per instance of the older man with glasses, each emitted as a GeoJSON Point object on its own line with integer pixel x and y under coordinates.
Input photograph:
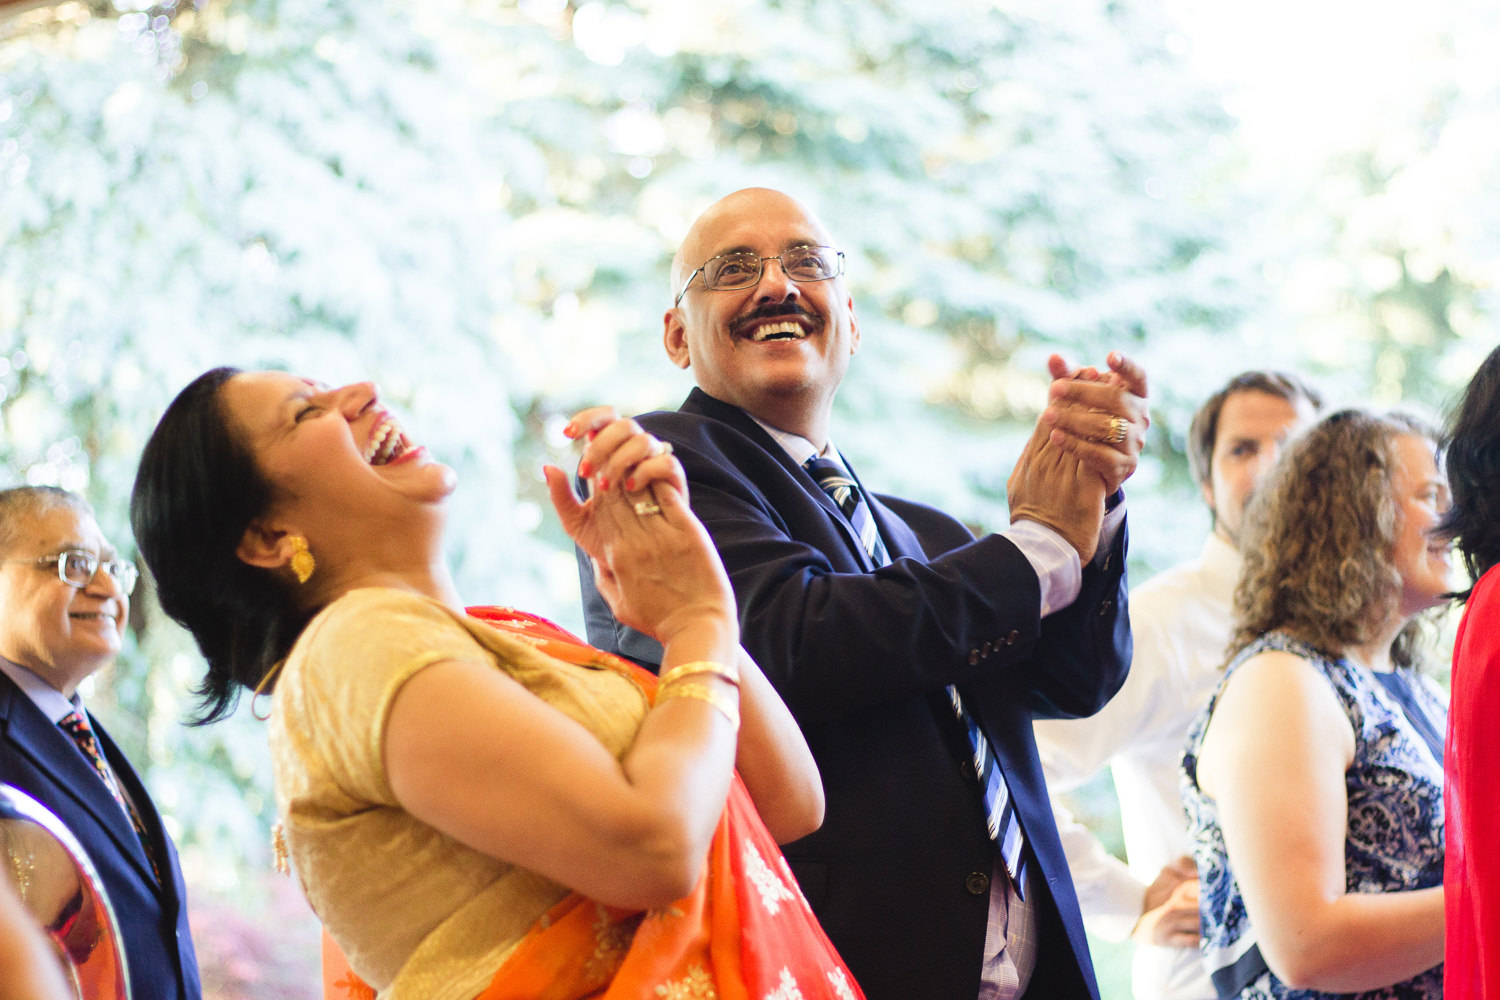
{"type": "Point", "coordinates": [913, 655]}
{"type": "Point", "coordinates": [64, 600]}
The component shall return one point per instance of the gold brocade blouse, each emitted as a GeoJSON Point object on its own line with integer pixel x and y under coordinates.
{"type": "Point", "coordinates": [418, 914]}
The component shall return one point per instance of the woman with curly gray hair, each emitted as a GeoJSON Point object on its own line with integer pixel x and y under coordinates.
{"type": "Point", "coordinates": [1313, 777]}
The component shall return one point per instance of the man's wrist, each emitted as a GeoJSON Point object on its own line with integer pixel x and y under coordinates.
{"type": "Point", "coordinates": [1053, 558]}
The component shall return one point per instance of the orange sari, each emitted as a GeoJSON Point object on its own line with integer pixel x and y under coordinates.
{"type": "Point", "coordinates": [745, 932]}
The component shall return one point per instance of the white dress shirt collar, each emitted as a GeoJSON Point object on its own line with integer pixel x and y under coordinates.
{"type": "Point", "coordinates": [799, 448]}
{"type": "Point", "coordinates": [52, 702]}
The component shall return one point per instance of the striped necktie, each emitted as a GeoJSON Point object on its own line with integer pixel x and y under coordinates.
{"type": "Point", "coordinates": [846, 495]}
{"type": "Point", "coordinates": [999, 814]}
{"type": "Point", "coordinates": [76, 726]}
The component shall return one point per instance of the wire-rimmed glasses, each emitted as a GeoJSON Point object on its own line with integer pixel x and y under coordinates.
{"type": "Point", "coordinates": [76, 567]}
{"type": "Point", "coordinates": [741, 270]}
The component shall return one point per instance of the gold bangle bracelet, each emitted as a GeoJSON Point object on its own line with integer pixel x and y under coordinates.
{"type": "Point", "coordinates": [720, 670]}
{"type": "Point", "coordinates": [702, 693]}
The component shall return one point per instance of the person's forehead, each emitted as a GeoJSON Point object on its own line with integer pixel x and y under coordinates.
{"type": "Point", "coordinates": [1416, 458]}
{"type": "Point", "coordinates": [1251, 411]}
{"type": "Point", "coordinates": [255, 400]}
{"type": "Point", "coordinates": [764, 225]}
{"type": "Point", "coordinates": [57, 528]}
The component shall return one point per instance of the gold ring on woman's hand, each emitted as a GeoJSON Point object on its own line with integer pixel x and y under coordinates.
{"type": "Point", "coordinates": [1117, 428]}
{"type": "Point", "coordinates": [644, 508]}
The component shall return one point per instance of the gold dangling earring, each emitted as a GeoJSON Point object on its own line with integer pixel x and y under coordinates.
{"type": "Point", "coordinates": [261, 690]}
{"type": "Point", "coordinates": [303, 562]}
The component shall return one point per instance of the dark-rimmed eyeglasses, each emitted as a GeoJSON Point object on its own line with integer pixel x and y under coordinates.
{"type": "Point", "coordinates": [76, 567]}
{"type": "Point", "coordinates": [741, 270]}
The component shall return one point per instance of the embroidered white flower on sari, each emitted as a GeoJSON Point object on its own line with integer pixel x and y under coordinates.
{"type": "Point", "coordinates": [773, 891]}
{"type": "Point", "coordinates": [787, 990]}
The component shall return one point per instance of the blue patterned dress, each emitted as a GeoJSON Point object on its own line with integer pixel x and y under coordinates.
{"type": "Point", "coordinates": [1395, 836]}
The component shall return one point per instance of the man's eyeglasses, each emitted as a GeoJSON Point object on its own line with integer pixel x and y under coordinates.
{"type": "Point", "coordinates": [76, 567]}
{"type": "Point", "coordinates": [741, 270]}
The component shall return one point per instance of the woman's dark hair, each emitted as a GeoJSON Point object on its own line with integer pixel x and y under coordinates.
{"type": "Point", "coordinates": [196, 491]}
{"type": "Point", "coordinates": [1473, 442]}
{"type": "Point", "coordinates": [1319, 537]}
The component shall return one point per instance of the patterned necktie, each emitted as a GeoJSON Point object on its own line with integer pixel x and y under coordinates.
{"type": "Point", "coordinates": [845, 493]}
{"type": "Point", "coordinates": [999, 814]}
{"type": "Point", "coordinates": [76, 726]}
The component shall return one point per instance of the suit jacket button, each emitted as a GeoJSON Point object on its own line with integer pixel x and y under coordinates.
{"type": "Point", "coordinates": [978, 884]}
{"type": "Point", "coordinates": [1012, 637]}
{"type": "Point", "coordinates": [967, 769]}
{"type": "Point", "coordinates": [1105, 607]}
{"type": "Point", "coordinates": [984, 651]}
{"type": "Point", "coordinates": [973, 657]}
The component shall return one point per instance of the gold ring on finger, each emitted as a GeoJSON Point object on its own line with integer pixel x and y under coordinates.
{"type": "Point", "coordinates": [645, 508]}
{"type": "Point", "coordinates": [1117, 428]}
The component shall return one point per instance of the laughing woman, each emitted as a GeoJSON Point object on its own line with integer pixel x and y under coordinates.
{"type": "Point", "coordinates": [476, 804]}
{"type": "Point", "coordinates": [1314, 776]}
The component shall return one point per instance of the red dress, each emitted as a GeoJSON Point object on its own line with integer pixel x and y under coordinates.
{"type": "Point", "coordinates": [1471, 799]}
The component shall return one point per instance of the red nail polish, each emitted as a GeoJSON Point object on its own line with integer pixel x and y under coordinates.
{"type": "Point", "coordinates": [630, 484]}
{"type": "Point", "coordinates": [603, 483]}
{"type": "Point", "coordinates": [585, 469]}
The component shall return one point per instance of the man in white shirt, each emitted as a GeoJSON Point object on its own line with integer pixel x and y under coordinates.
{"type": "Point", "coordinates": [1181, 621]}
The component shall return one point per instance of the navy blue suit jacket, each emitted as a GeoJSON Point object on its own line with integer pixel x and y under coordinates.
{"type": "Point", "coordinates": [37, 757]}
{"type": "Point", "coordinates": [899, 872]}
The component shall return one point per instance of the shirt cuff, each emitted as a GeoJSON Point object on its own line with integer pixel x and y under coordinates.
{"type": "Point", "coordinates": [1059, 572]}
{"type": "Point", "coordinates": [1114, 519]}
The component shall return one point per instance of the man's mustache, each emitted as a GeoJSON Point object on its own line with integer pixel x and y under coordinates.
{"type": "Point", "coordinates": [772, 310]}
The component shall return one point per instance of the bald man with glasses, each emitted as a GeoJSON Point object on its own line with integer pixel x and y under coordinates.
{"type": "Point", "coordinates": [913, 655]}
{"type": "Point", "coordinates": [64, 600]}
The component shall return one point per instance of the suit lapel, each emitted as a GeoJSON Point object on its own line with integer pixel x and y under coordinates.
{"type": "Point", "coordinates": [54, 754]}
{"type": "Point", "coordinates": [145, 808]}
{"type": "Point", "coordinates": [702, 403]}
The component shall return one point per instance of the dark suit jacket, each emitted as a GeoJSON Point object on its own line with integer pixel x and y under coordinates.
{"type": "Point", "coordinates": [40, 759]}
{"type": "Point", "coordinates": [899, 872]}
